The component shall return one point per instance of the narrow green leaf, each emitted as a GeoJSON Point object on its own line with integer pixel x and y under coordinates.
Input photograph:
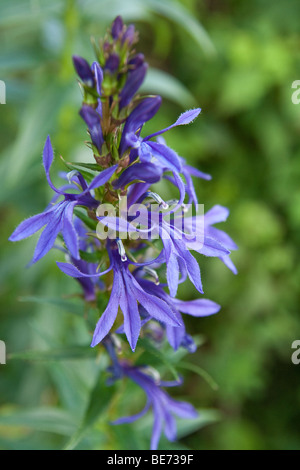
{"type": "Point", "coordinates": [201, 372]}
{"type": "Point", "coordinates": [67, 305]}
{"type": "Point", "coordinates": [98, 404]}
{"type": "Point", "coordinates": [60, 354]}
{"type": "Point", "coordinates": [90, 223]}
{"type": "Point", "coordinates": [88, 176]}
{"type": "Point", "coordinates": [40, 419]}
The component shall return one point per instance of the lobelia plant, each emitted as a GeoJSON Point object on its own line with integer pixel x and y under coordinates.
{"type": "Point", "coordinates": [124, 257]}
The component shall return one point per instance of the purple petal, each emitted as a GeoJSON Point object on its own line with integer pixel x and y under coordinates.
{"type": "Point", "coordinates": [132, 321]}
{"type": "Point", "coordinates": [209, 247]}
{"type": "Point", "coordinates": [72, 271]}
{"type": "Point", "coordinates": [48, 157]}
{"type": "Point", "coordinates": [157, 429]}
{"type": "Point", "coordinates": [99, 79]}
{"type": "Point", "coordinates": [197, 307]}
{"type": "Point", "coordinates": [175, 336]}
{"type": "Point", "coordinates": [155, 307]}
{"type": "Point", "coordinates": [117, 27]}
{"type": "Point", "coordinates": [170, 425]}
{"type": "Point", "coordinates": [129, 35]}
{"type": "Point", "coordinates": [141, 114]}
{"type": "Point", "coordinates": [92, 120]}
{"type": "Point", "coordinates": [191, 264]}
{"type": "Point", "coordinates": [83, 70]}
{"type": "Point", "coordinates": [131, 419]}
{"type": "Point", "coordinates": [48, 236]}
{"type": "Point", "coordinates": [195, 172]}
{"type": "Point", "coordinates": [29, 226]}
{"type": "Point", "coordinates": [145, 171]}
{"type": "Point", "coordinates": [227, 261]}
{"type": "Point", "coordinates": [134, 80]}
{"type": "Point", "coordinates": [102, 178]}
{"type": "Point", "coordinates": [165, 155]}
{"type": "Point", "coordinates": [108, 317]}
{"type": "Point", "coordinates": [69, 232]}
{"type": "Point", "coordinates": [112, 63]}
{"type": "Point", "coordinates": [182, 409]}
{"type": "Point", "coordinates": [216, 214]}
{"type": "Point", "coordinates": [222, 238]}
{"type": "Point", "coordinates": [172, 265]}
{"type": "Point", "coordinates": [184, 118]}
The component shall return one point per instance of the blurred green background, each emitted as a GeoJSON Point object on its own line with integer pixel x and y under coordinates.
{"type": "Point", "coordinates": [237, 61]}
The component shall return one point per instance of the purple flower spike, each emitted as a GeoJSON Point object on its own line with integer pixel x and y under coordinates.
{"type": "Point", "coordinates": [84, 71]}
{"type": "Point", "coordinates": [92, 119]}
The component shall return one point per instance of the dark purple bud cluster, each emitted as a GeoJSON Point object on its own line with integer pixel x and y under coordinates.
{"type": "Point", "coordinates": [159, 238]}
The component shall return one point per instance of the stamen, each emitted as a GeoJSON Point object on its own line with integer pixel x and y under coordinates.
{"type": "Point", "coordinates": [152, 273]}
{"type": "Point", "coordinates": [121, 249]}
{"type": "Point", "coordinates": [153, 373]}
{"type": "Point", "coordinates": [117, 343]}
{"type": "Point", "coordinates": [158, 199]}
{"type": "Point", "coordinates": [71, 174]}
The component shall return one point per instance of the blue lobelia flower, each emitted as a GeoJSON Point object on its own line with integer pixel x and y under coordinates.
{"type": "Point", "coordinates": [125, 293]}
{"type": "Point", "coordinates": [187, 171]}
{"type": "Point", "coordinates": [215, 236]}
{"type": "Point", "coordinates": [58, 218]}
{"type": "Point", "coordinates": [197, 308]}
{"type": "Point", "coordinates": [164, 407]}
{"type": "Point", "coordinates": [147, 149]}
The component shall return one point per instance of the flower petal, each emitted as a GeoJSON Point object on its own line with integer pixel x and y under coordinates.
{"type": "Point", "coordinates": [197, 307]}
{"type": "Point", "coordinates": [29, 226]}
{"type": "Point", "coordinates": [185, 118]}
{"type": "Point", "coordinates": [71, 270]}
{"type": "Point", "coordinates": [69, 232]}
{"type": "Point", "coordinates": [101, 178]}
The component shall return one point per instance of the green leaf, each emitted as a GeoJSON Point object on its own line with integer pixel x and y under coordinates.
{"type": "Point", "coordinates": [201, 372]}
{"type": "Point", "coordinates": [88, 176]}
{"type": "Point", "coordinates": [97, 406]}
{"type": "Point", "coordinates": [60, 354]}
{"type": "Point", "coordinates": [90, 223]}
{"type": "Point", "coordinates": [89, 257]}
{"type": "Point", "coordinates": [45, 419]}
{"type": "Point", "coordinates": [89, 166]}
{"type": "Point", "coordinates": [180, 15]}
{"type": "Point", "coordinates": [188, 426]}
{"type": "Point", "coordinates": [153, 356]}
{"type": "Point", "coordinates": [162, 83]}
{"type": "Point", "coordinates": [68, 306]}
